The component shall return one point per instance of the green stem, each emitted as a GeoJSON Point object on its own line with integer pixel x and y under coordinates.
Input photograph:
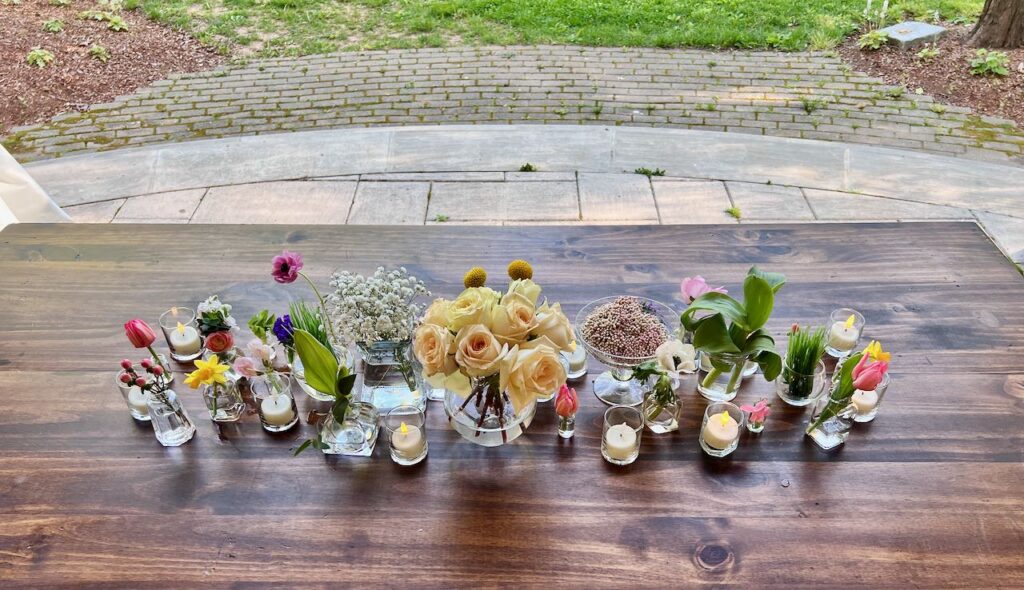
{"type": "Point", "coordinates": [323, 308]}
{"type": "Point", "coordinates": [156, 359]}
{"type": "Point", "coordinates": [652, 415]}
{"type": "Point", "coordinates": [709, 379]}
{"type": "Point", "coordinates": [737, 372]}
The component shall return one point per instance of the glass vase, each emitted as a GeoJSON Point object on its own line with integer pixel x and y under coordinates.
{"type": "Point", "coordinates": [798, 389]}
{"type": "Point", "coordinates": [866, 402]}
{"type": "Point", "coordinates": [567, 426]}
{"type": "Point", "coordinates": [223, 401]}
{"type": "Point", "coordinates": [355, 436]}
{"type": "Point", "coordinates": [171, 423]}
{"type": "Point", "coordinates": [486, 416]}
{"type": "Point", "coordinates": [226, 357]}
{"type": "Point", "coordinates": [720, 375]}
{"type": "Point", "coordinates": [661, 416]}
{"type": "Point", "coordinates": [136, 399]}
{"type": "Point", "coordinates": [392, 376]}
{"type": "Point", "coordinates": [407, 430]}
{"type": "Point", "coordinates": [274, 402]}
{"type": "Point", "coordinates": [831, 421]}
{"type": "Point", "coordinates": [300, 375]}
{"type": "Point", "coordinates": [182, 334]}
{"type": "Point", "coordinates": [719, 437]}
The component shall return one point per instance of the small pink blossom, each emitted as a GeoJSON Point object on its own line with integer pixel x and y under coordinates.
{"type": "Point", "coordinates": [694, 287]}
{"type": "Point", "coordinates": [287, 266]}
{"type": "Point", "coordinates": [566, 402]}
{"type": "Point", "coordinates": [258, 350]}
{"type": "Point", "coordinates": [246, 367]}
{"type": "Point", "coordinates": [759, 411]}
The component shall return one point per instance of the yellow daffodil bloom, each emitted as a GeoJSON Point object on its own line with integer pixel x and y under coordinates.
{"type": "Point", "coordinates": [874, 350]}
{"type": "Point", "coordinates": [207, 373]}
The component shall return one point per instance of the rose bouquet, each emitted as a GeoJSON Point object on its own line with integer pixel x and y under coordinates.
{"type": "Point", "coordinates": [497, 352]}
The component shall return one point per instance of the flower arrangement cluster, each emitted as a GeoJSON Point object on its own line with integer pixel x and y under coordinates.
{"type": "Point", "coordinates": [216, 325]}
{"type": "Point", "coordinates": [141, 335]}
{"type": "Point", "coordinates": [487, 337]}
{"type": "Point", "coordinates": [375, 308]}
{"type": "Point", "coordinates": [153, 380]}
{"type": "Point", "coordinates": [860, 371]}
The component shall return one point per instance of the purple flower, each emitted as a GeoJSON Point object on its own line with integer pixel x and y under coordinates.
{"type": "Point", "coordinates": [283, 330]}
{"type": "Point", "coordinates": [287, 266]}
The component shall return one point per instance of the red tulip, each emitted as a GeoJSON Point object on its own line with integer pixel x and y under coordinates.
{"type": "Point", "coordinates": [566, 402]}
{"type": "Point", "coordinates": [139, 333]}
{"type": "Point", "coordinates": [871, 376]}
{"type": "Point", "coordinates": [219, 342]}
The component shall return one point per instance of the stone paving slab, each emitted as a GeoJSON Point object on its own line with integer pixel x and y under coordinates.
{"type": "Point", "coordinates": [177, 205]}
{"type": "Point", "coordinates": [769, 201]}
{"type": "Point", "coordinates": [387, 203]}
{"type": "Point", "coordinates": [506, 201]}
{"type": "Point", "coordinates": [799, 95]}
{"type": "Point", "coordinates": [839, 206]}
{"type": "Point", "coordinates": [692, 202]}
{"type": "Point", "coordinates": [313, 203]}
{"type": "Point", "coordinates": [616, 197]}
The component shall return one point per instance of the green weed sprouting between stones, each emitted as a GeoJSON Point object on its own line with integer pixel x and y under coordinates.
{"type": "Point", "coordinates": [649, 173]}
{"type": "Point", "coordinates": [990, 63]}
{"type": "Point", "coordinates": [440, 218]}
{"type": "Point", "coordinates": [734, 212]}
{"type": "Point", "coordinates": [527, 167]}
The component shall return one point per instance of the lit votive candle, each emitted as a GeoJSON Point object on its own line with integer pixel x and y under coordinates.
{"type": "Point", "coordinates": [620, 439]}
{"type": "Point", "coordinates": [844, 332]}
{"type": "Point", "coordinates": [182, 335]}
{"type": "Point", "coordinates": [272, 393]}
{"type": "Point", "coordinates": [134, 397]}
{"type": "Point", "coordinates": [576, 362]}
{"type": "Point", "coordinates": [720, 432]}
{"type": "Point", "coordinates": [866, 402]}
{"type": "Point", "coordinates": [407, 427]}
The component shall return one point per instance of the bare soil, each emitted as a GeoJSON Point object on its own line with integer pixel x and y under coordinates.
{"type": "Point", "coordinates": [947, 77]}
{"type": "Point", "coordinates": [143, 54]}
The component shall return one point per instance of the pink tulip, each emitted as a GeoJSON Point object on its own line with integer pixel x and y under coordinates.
{"type": "Point", "coordinates": [566, 402]}
{"type": "Point", "coordinates": [286, 267]}
{"type": "Point", "coordinates": [694, 287]}
{"type": "Point", "coordinates": [869, 378]}
{"type": "Point", "coordinates": [139, 333]}
{"type": "Point", "coordinates": [246, 367]}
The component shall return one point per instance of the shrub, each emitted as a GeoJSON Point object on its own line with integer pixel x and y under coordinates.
{"type": "Point", "coordinates": [990, 63]}
{"type": "Point", "coordinates": [53, 25]}
{"type": "Point", "coordinates": [928, 53]}
{"type": "Point", "coordinates": [39, 57]}
{"type": "Point", "coordinates": [99, 52]}
{"type": "Point", "coordinates": [873, 41]}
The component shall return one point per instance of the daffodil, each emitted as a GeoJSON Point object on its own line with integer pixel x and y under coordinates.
{"type": "Point", "coordinates": [208, 372]}
{"type": "Point", "coordinates": [874, 350]}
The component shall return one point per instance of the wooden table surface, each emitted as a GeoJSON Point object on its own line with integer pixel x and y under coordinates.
{"type": "Point", "coordinates": [931, 494]}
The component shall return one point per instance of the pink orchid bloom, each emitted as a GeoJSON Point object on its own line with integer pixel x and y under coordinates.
{"type": "Point", "coordinates": [566, 402]}
{"type": "Point", "coordinates": [694, 287]}
{"type": "Point", "coordinates": [246, 367]}
{"type": "Point", "coordinates": [759, 411]}
{"type": "Point", "coordinates": [868, 378]}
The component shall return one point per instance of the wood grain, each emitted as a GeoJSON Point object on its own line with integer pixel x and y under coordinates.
{"type": "Point", "coordinates": [927, 496]}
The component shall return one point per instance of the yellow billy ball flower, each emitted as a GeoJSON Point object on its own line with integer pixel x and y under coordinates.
{"type": "Point", "coordinates": [476, 277]}
{"type": "Point", "coordinates": [520, 269]}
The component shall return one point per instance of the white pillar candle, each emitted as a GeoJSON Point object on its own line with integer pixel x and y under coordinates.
{"type": "Point", "coordinates": [577, 359]}
{"type": "Point", "coordinates": [138, 400]}
{"type": "Point", "coordinates": [721, 431]}
{"type": "Point", "coordinates": [408, 441]}
{"type": "Point", "coordinates": [185, 340]}
{"type": "Point", "coordinates": [843, 336]}
{"type": "Point", "coordinates": [277, 410]}
{"type": "Point", "coordinates": [620, 442]}
{"type": "Point", "coordinates": [864, 401]}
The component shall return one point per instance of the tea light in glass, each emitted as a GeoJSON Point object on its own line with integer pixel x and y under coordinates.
{"type": "Point", "coordinates": [845, 328]}
{"type": "Point", "coordinates": [720, 431]}
{"type": "Point", "coordinates": [407, 429]}
{"type": "Point", "coordinates": [274, 401]}
{"type": "Point", "coordinates": [866, 402]}
{"type": "Point", "coordinates": [575, 362]}
{"type": "Point", "coordinates": [137, 400]}
{"type": "Point", "coordinates": [620, 438]}
{"type": "Point", "coordinates": [182, 334]}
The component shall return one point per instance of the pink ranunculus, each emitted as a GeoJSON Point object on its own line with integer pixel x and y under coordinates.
{"type": "Point", "coordinates": [871, 376]}
{"type": "Point", "coordinates": [246, 367]}
{"type": "Point", "coordinates": [219, 342]}
{"type": "Point", "coordinates": [287, 266]}
{"type": "Point", "coordinates": [694, 287]}
{"type": "Point", "coordinates": [566, 402]}
{"type": "Point", "coordinates": [139, 333]}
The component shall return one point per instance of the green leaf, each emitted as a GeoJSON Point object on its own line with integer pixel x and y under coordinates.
{"type": "Point", "coordinates": [775, 279]}
{"type": "Point", "coordinates": [712, 336]}
{"type": "Point", "coordinates": [261, 323]}
{"type": "Point", "coordinates": [759, 299]}
{"type": "Point", "coordinates": [758, 342]}
{"type": "Point", "coordinates": [340, 409]}
{"type": "Point", "coordinates": [770, 363]}
{"type": "Point", "coordinates": [345, 382]}
{"type": "Point", "coordinates": [319, 364]}
{"type": "Point", "coordinates": [718, 303]}
{"type": "Point", "coordinates": [305, 445]}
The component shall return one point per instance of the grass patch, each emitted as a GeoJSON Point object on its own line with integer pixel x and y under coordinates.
{"type": "Point", "coordinates": [300, 27]}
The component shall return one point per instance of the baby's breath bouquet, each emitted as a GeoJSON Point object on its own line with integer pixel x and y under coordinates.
{"type": "Point", "coordinates": [376, 308]}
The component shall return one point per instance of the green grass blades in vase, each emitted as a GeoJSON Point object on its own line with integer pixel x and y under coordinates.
{"type": "Point", "coordinates": [803, 373]}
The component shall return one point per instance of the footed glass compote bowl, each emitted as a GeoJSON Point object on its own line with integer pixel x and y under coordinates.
{"type": "Point", "coordinates": [617, 387]}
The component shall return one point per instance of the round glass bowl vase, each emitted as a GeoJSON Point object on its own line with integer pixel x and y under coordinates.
{"type": "Point", "coordinates": [661, 416]}
{"type": "Point", "coordinates": [798, 389]}
{"type": "Point", "coordinates": [355, 436]}
{"type": "Point", "coordinates": [720, 375]}
{"type": "Point", "coordinates": [275, 404]}
{"type": "Point", "coordinates": [616, 387]}
{"type": "Point", "coordinates": [485, 416]}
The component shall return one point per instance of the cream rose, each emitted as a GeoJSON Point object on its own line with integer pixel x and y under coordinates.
{"type": "Point", "coordinates": [472, 306]}
{"type": "Point", "coordinates": [675, 357]}
{"type": "Point", "coordinates": [437, 313]}
{"type": "Point", "coordinates": [524, 287]}
{"type": "Point", "coordinates": [477, 351]}
{"type": "Point", "coordinates": [553, 324]}
{"type": "Point", "coordinates": [432, 344]}
{"type": "Point", "coordinates": [512, 319]}
{"type": "Point", "coordinates": [530, 372]}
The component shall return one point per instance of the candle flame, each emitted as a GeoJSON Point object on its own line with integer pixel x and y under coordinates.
{"type": "Point", "coordinates": [724, 417]}
{"type": "Point", "coordinates": [181, 328]}
{"type": "Point", "coordinates": [404, 429]}
{"type": "Point", "coordinates": [850, 320]}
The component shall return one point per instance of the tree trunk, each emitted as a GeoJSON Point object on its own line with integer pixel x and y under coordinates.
{"type": "Point", "coordinates": [1001, 25]}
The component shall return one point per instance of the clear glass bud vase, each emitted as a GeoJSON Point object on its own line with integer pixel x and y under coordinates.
{"type": "Point", "coordinates": [830, 423]}
{"type": "Point", "coordinates": [224, 402]}
{"type": "Point", "coordinates": [391, 376]}
{"type": "Point", "coordinates": [661, 415]}
{"type": "Point", "coordinates": [720, 375]}
{"type": "Point", "coordinates": [355, 436]}
{"type": "Point", "coordinates": [171, 423]}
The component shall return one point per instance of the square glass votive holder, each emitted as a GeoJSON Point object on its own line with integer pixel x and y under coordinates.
{"type": "Point", "coordinates": [137, 400]}
{"type": "Point", "coordinates": [274, 401]}
{"type": "Point", "coordinates": [720, 434]}
{"type": "Point", "coordinates": [407, 430]}
{"type": "Point", "coordinates": [620, 438]}
{"type": "Point", "coordinates": [866, 402]}
{"type": "Point", "coordinates": [182, 334]}
{"type": "Point", "coordinates": [843, 332]}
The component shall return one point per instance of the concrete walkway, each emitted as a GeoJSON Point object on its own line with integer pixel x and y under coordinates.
{"type": "Point", "coordinates": [797, 95]}
{"type": "Point", "coordinates": [469, 174]}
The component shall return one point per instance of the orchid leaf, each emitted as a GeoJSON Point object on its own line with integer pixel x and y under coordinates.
{"type": "Point", "coordinates": [758, 342]}
{"type": "Point", "coordinates": [340, 409]}
{"type": "Point", "coordinates": [770, 363]}
{"type": "Point", "coordinates": [719, 303]}
{"type": "Point", "coordinates": [712, 336]}
{"type": "Point", "coordinates": [759, 299]}
{"type": "Point", "coordinates": [345, 383]}
{"type": "Point", "coordinates": [774, 279]}
{"type": "Point", "coordinates": [319, 364]}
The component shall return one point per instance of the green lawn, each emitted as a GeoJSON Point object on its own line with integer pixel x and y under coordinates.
{"type": "Point", "coordinates": [299, 27]}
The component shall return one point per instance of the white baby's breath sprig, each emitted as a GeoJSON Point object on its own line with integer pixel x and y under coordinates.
{"type": "Point", "coordinates": [375, 308]}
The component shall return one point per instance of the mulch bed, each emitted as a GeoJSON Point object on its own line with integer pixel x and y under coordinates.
{"type": "Point", "coordinates": [143, 54]}
{"type": "Point", "coordinates": [947, 77]}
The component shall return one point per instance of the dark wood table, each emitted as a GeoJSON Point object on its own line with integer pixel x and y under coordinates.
{"type": "Point", "coordinates": [931, 494]}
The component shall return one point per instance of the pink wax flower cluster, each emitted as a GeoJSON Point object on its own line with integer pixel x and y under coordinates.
{"type": "Point", "coordinates": [286, 267]}
{"type": "Point", "coordinates": [694, 287]}
{"type": "Point", "coordinates": [869, 372]}
{"type": "Point", "coordinates": [566, 402]}
{"type": "Point", "coordinates": [759, 411]}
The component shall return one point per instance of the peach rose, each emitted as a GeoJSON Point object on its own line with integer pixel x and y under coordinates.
{"type": "Point", "coordinates": [432, 344]}
{"type": "Point", "coordinates": [437, 313]}
{"type": "Point", "coordinates": [472, 306]}
{"type": "Point", "coordinates": [477, 351]}
{"type": "Point", "coordinates": [512, 320]}
{"type": "Point", "coordinates": [553, 324]}
{"type": "Point", "coordinates": [531, 372]}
